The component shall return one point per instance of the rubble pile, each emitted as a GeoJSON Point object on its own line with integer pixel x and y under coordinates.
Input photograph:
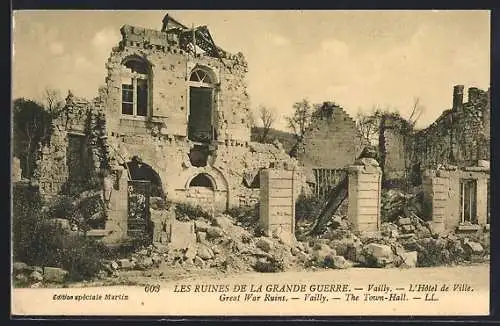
{"type": "Point", "coordinates": [224, 244]}
{"type": "Point", "coordinates": [219, 244]}
{"type": "Point", "coordinates": [395, 204]}
{"type": "Point", "coordinates": [35, 276]}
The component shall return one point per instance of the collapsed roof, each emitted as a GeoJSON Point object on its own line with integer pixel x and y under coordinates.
{"type": "Point", "coordinates": [199, 36]}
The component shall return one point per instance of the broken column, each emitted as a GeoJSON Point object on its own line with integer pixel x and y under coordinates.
{"type": "Point", "coordinates": [277, 203]}
{"type": "Point", "coordinates": [365, 179]}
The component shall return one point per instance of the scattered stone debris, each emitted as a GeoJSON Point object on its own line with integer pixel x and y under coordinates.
{"type": "Point", "coordinates": [54, 274]}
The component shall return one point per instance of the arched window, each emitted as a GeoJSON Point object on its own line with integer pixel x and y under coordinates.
{"type": "Point", "coordinates": [201, 180]}
{"type": "Point", "coordinates": [135, 87]}
{"type": "Point", "coordinates": [200, 75]}
{"type": "Point", "coordinates": [202, 95]}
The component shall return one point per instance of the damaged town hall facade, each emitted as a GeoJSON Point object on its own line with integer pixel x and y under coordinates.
{"type": "Point", "coordinates": [172, 122]}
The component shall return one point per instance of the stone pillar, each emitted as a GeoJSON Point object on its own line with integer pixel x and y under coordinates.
{"type": "Point", "coordinates": [277, 203]}
{"type": "Point", "coordinates": [116, 225]}
{"type": "Point", "coordinates": [365, 181]}
{"type": "Point", "coordinates": [436, 199]}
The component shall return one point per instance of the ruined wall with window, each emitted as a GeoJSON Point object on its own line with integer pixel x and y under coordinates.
{"type": "Point", "coordinates": [460, 136]}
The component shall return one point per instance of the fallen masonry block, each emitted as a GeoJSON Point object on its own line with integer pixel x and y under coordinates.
{"type": "Point", "coordinates": [473, 248]}
{"type": "Point", "coordinates": [182, 235]}
{"type": "Point", "coordinates": [201, 237]}
{"type": "Point", "coordinates": [377, 255]}
{"type": "Point", "coordinates": [160, 248]}
{"type": "Point", "coordinates": [337, 262]}
{"type": "Point", "coordinates": [190, 252]}
{"type": "Point", "coordinates": [201, 226]}
{"type": "Point", "coordinates": [19, 266]}
{"type": "Point", "coordinates": [199, 262]}
{"type": "Point", "coordinates": [114, 265]}
{"type": "Point", "coordinates": [265, 244]}
{"type": "Point", "coordinates": [204, 252]}
{"type": "Point", "coordinates": [214, 232]}
{"type": "Point", "coordinates": [125, 264]}
{"type": "Point", "coordinates": [404, 221]}
{"type": "Point", "coordinates": [321, 254]}
{"type": "Point", "coordinates": [407, 228]}
{"type": "Point", "coordinates": [146, 262]}
{"type": "Point", "coordinates": [409, 259]}
{"type": "Point", "coordinates": [36, 276]}
{"type": "Point", "coordinates": [54, 274]}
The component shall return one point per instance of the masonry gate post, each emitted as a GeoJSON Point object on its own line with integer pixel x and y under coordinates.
{"type": "Point", "coordinates": [365, 180]}
{"type": "Point", "coordinates": [277, 203]}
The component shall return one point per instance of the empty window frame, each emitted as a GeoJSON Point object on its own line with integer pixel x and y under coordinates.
{"type": "Point", "coordinates": [201, 125]}
{"type": "Point", "coordinates": [135, 88]}
{"type": "Point", "coordinates": [468, 201]}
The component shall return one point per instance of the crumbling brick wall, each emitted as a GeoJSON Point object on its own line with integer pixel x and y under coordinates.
{"type": "Point", "coordinates": [332, 141]}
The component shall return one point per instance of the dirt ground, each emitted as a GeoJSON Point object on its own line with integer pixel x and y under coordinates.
{"type": "Point", "coordinates": [478, 276]}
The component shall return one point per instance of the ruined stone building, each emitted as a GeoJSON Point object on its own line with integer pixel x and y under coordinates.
{"type": "Point", "coordinates": [176, 102]}
{"type": "Point", "coordinates": [330, 144]}
{"type": "Point", "coordinates": [460, 136]}
{"type": "Point", "coordinates": [450, 159]}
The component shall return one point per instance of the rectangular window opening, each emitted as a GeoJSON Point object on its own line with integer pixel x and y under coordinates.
{"type": "Point", "coordinates": [135, 98]}
{"type": "Point", "coordinates": [127, 99]}
{"type": "Point", "coordinates": [468, 201]}
{"type": "Point", "coordinates": [142, 97]}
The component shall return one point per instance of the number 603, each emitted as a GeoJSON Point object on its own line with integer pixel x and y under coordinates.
{"type": "Point", "coordinates": [152, 288]}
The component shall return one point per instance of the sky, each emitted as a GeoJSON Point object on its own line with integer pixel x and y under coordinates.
{"type": "Point", "coordinates": [357, 59]}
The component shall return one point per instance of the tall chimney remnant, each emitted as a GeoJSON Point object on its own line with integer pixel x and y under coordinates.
{"type": "Point", "coordinates": [458, 97]}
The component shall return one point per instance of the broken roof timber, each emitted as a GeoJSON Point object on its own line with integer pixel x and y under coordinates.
{"type": "Point", "coordinates": [169, 21]}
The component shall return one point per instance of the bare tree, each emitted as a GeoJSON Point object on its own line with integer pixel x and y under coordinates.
{"type": "Point", "coordinates": [267, 118]}
{"type": "Point", "coordinates": [52, 100]}
{"type": "Point", "coordinates": [368, 124]}
{"type": "Point", "coordinates": [301, 118]}
{"type": "Point", "coordinates": [416, 112]}
{"type": "Point", "coordinates": [31, 127]}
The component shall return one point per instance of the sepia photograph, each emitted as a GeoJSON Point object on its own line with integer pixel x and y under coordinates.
{"type": "Point", "coordinates": [250, 162]}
